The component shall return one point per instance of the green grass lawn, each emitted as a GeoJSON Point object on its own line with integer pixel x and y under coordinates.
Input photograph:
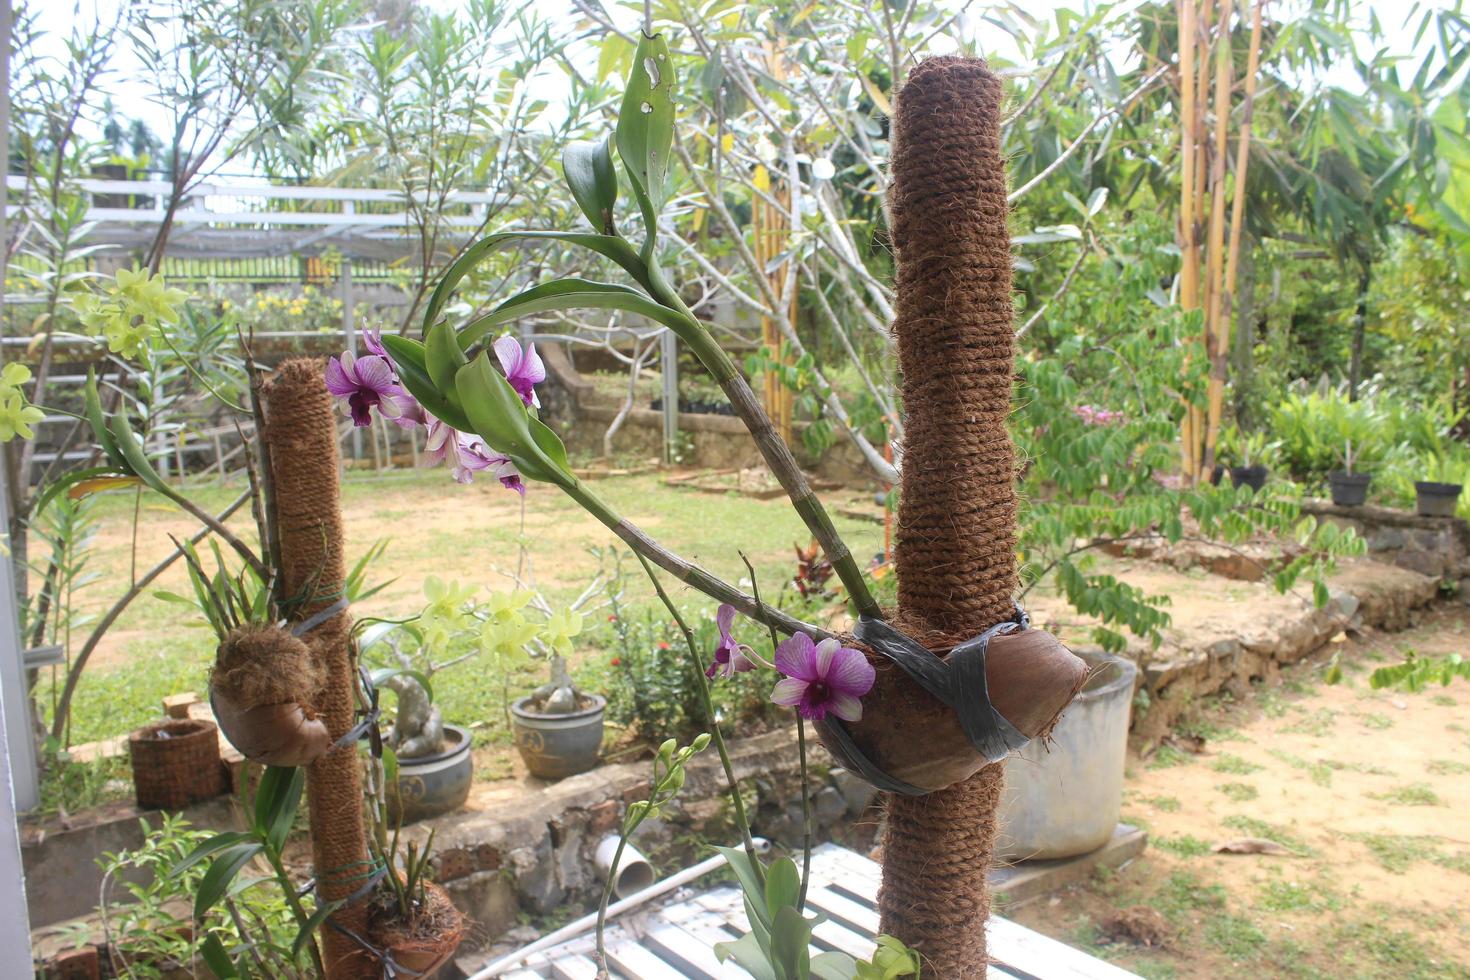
{"type": "Point", "coordinates": [433, 527]}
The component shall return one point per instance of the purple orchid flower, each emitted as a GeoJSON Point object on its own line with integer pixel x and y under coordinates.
{"type": "Point", "coordinates": [523, 369]}
{"type": "Point", "coordinates": [821, 678]}
{"type": "Point", "coordinates": [372, 339]}
{"type": "Point", "coordinates": [361, 384]}
{"type": "Point", "coordinates": [730, 657]}
{"type": "Point", "coordinates": [467, 455]}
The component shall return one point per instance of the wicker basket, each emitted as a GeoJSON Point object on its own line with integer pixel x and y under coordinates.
{"type": "Point", "coordinates": [176, 763]}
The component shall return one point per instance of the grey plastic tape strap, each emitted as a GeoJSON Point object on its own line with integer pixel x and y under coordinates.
{"type": "Point", "coordinates": [312, 622]}
{"type": "Point", "coordinates": [957, 681]}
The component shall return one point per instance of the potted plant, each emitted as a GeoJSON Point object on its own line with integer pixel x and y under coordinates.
{"type": "Point", "coordinates": [558, 728]}
{"type": "Point", "coordinates": [1349, 489]}
{"type": "Point", "coordinates": [1255, 453]}
{"type": "Point", "coordinates": [434, 767]}
{"type": "Point", "coordinates": [1440, 496]}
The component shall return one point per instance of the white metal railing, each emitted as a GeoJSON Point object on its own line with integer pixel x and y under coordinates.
{"type": "Point", "coordinates": [226, 203]}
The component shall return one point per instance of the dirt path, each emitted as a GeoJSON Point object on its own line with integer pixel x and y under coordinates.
{"type": "Point", "coordinates": [1368, 792]}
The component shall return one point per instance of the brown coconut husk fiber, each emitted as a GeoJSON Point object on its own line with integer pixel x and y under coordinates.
{"type": "Point", "coordinates": [301, 432]}
{"type": "Point", "coordinates": [258, 665]}
{"type": "Point", "coordinates": [426, 943]}
{"type": "Point", "coordinates": [956, 534]}
{"type": "Point", "coordinates": [263, 690]}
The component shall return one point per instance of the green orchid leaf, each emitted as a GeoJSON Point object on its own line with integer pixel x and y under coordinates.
{"type": "Point", "coordinates": [222, 871]}
{"type": "Point", "coordinates": [611, 246]}
{"type": "Point", "coordinates": [748, 954]}
{"type": "Point", "coordinates": [783, 886]}
{"type": "Point", "coordinates": [443, 358]}
{"type": "Point", "coordinates": [497, 414]}
{"type": "Point", "coordinates": [383, 674]}
{"type": "Point", "coordinates": [134, 459]}
{"type": "Point", "coordinates": [70, 480]}
{"type": "Point", "coordinates": [550, 444]}
{"type": "Point", "coordinates": [645, 132]}
{"type": "Point", "coordinates": [790, 933]}
{"type": "Point", "coordinates": [750, 882]}
{"type": "Point", "coordinates": [212, 952]}
{"type": "Point", "coordinates": [310, 928]}
{"type": "Point", "coordinates": [410, 358]}
{"type": "Point", "coordinates": [588, 168]}
{"type": "Point", "coordinates": [92, 407]}
{"type": "Point", "coordinates": [574, 294]}
{"type": "Point", "coordinates": [209, 848]}
{"type": "Point", "coordinates": [834, 965]}
{"type": "Point", "coordinates": [281, 813]}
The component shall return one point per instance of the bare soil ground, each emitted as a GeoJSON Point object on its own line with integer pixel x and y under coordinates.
{"type": "Point", "coordinates": [1367, 792]}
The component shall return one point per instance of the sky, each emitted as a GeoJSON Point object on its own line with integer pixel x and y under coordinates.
{"type": "Point", "coordinates": [131, 95]}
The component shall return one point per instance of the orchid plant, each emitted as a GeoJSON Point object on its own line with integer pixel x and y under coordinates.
{"type": "Point", "coordinates": [487, 396]}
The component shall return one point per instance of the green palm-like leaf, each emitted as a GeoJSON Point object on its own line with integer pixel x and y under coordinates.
{"type": "Point", "coordinates": [610, 246]}
{"type": "Point", "coordinates": [574, 294]}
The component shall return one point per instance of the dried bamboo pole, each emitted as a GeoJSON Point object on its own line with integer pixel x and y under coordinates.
{"type": "Point", "coordinates": [1216, 348]}
{"type": "Point", "coordinates": [1242, 168]}
{"type": "Point", "coordinates": [1188, 238]}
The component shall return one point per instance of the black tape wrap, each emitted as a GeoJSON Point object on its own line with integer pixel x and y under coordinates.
{"type": "Point", "coordinates": [958, 681]}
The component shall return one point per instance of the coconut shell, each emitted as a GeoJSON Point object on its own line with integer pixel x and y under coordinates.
{"type": "Point", "coordinates": [271, 734]}
{"type": "Point", "coordinates": [915, 737]}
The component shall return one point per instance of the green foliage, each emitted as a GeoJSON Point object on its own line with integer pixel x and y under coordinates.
{"type": "Point", "coordinates": [223, 857]}
{"type": "Point", "coordinates": [653, 689]}
{"type": "Point", "coordinates": [1416, 672]}
{"type": "Point", "coordinates": [150, 934]}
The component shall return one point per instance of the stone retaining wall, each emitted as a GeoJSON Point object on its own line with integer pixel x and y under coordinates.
{"type": "Point", "coordinates": [1438, 547]}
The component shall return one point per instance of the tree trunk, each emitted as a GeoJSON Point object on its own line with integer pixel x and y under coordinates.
{"type": "Point", "coordinates": [1245, 335]}
{"type": "Point", "coordinates": [1360, 330]}
{"type": "Point", "coordinates": [956, 538]}
{"type": "Point", "coordinates": [301, 433]}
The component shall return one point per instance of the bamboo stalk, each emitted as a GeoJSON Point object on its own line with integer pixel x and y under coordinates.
{"type": "Point", "coordinates": [1188, 241]}
{"type": "Point", "coordinates": [1242, 166]}
{"type": "Point", "coordinates": [1215, 331]}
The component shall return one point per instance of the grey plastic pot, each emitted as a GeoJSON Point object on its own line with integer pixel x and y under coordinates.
{"type": "Point", "coordinates": [557, 746]}
{"type": "Point", "coordinates": [1436, 499]}
{"type": "Point", "coordinates": [1062, 797]}
{"type": "Point", "coordinates": [1349, 489]}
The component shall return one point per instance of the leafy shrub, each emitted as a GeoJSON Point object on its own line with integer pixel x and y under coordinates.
{"type": "Point", "coordinates": [653, 690]}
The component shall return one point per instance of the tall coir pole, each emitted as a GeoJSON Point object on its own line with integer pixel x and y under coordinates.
{"type": "Point", "coordinates": [956, 535]}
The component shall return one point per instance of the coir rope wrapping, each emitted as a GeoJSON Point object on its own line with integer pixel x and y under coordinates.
{"type": "Point", "coordinates": [301, 432]}
{"type": "Point", "coordinates": [956, 537]}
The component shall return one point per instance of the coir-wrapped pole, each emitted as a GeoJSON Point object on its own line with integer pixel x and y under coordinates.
{"type": "Point", "coordinates": [301, 431]}
{"type": "Point", "coordinates": [956, 537]}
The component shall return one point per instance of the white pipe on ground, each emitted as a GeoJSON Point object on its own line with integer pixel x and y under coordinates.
{"type": "Point", "coordinates": [634, 871]}
{"type": "Point", "coordinates": [588, 921]}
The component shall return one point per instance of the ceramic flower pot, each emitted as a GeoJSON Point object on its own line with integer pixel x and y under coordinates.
{"type": "Point", "coordinates": [1433, 499]}
{"type": "Point", "coordinates": [555, 746]}
{"type": "Point", "coordinates": [1349, 489]}
{"type": "Point", "coordinates": [433, 785]}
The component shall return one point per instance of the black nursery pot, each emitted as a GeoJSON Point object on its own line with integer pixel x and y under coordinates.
{"type": "Point", "coordinates": [1249, 476]}
{"type": "Point", "coordinates": [1349, 489]}
{"type": "Point", "coordinates": [1436, 499]}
